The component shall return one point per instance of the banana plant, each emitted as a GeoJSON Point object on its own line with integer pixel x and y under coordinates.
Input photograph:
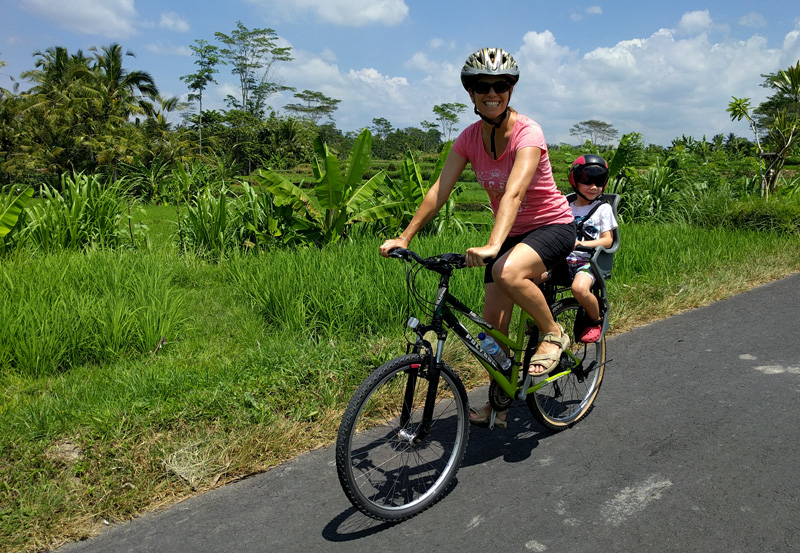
{"type": "Point", "coordinates": [413, 187]}
{"type": "Point", "coordinates": [324, 212]}
{"type": "Point", "coordinates": [13, 210]}
{"type": "Point", "coordinates": [411, 190]}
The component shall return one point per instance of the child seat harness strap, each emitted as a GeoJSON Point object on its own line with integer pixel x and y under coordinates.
{"type": "Point", "coordinates": [581, 234]}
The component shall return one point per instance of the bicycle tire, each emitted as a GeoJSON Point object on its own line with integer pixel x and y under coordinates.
{"type": "Point", "coordinates": [383, 473]}
{"type": "Point", "coordinates": [567, 400]}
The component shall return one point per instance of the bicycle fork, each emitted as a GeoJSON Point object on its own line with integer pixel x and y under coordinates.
{"type": "Point", "coordinates": [431, 375]}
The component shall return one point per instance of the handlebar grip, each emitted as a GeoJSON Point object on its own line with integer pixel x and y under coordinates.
{"type": "Point", "coordinates": [404, 254]}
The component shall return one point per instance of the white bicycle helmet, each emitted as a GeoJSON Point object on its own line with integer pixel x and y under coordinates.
{"type": "Point", "coordinates": [494, 62]}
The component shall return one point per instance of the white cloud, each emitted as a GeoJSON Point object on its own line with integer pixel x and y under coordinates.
{"type": "Point", "coordinates": [328, 55]}
{"type": "Point", "coordinates": [791, 47]}
{"type": "Point", "coordinates": [111, 18]}
{"type": "Point", "coordinates": [753, 20]}
{"type": "Point", "coordinates": [421, 61]}
{"type": "Point", "coordinates": [355, 13]}
{"type": "Point", "coordinates": [165, 48]}
{"type": "Point", "coordinates": [695, 22]}
{"type": "Point", "coordinates": [541, 58]}
{"type": "Point", "coordinates": [591, 10]}
{"type": "Point", "coordinates": [174, 22]}
{"type": "Point", "coordinates": [668, 83]}
{"type": "Point", "coordinates": [220, 92]}
{"type": "Point", "coordinates": [365, 93]}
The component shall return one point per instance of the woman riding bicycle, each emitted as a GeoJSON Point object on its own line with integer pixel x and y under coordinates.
{"type": "Point", "coordinates": [533, 225]}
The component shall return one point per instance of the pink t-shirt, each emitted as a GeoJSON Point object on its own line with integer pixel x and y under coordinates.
{"type": "Point", "coordinates": [543, 204]}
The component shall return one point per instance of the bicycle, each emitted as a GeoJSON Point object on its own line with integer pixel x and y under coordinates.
{"type": "Point", "coordinates": [404, 433]}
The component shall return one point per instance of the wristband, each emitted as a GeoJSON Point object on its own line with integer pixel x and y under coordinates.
{"type": "Point", "coordinates": [404, 239]}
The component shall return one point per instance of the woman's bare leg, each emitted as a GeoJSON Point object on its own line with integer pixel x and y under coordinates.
{"type": "Point", "coordinates": [512, 274]}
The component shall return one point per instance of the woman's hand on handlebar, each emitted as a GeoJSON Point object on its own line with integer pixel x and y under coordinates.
{"type": "Point", "coordinates": [392, 244]}
{"type": "Point", "coordinates": [479, 256]}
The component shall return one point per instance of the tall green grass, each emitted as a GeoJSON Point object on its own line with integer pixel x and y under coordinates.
{"type": "Point", "coordinates": [262, 354]}
{"type": "Point", "coordinates": [88, 213]}
{"type": "Point", "coordinates": [340, 290]}
{"type": "Point", "coordinates": [68, 309]}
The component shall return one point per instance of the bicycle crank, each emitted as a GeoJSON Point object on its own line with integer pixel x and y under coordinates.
{"type": "Point", "coordinates": [498, 398]}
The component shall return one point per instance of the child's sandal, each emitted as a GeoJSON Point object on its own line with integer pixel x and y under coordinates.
{"type": "Point", "coordinates": [592, 332]}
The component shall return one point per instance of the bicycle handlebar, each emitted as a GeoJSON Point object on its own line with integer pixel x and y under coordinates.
{"type": "Point", "coordinates": [442, 262]}
{"type": "Point", "coordinates": [452, 260]}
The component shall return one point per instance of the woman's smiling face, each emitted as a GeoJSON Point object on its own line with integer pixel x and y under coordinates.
{"type": "Point", "coordinates": [491, 104]}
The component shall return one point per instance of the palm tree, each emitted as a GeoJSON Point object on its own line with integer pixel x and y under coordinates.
{"type": "Point", "coordinates": [787, 82]}
{"type": "Point", "coordinates": [117, 96]}
{"type": "Point", "coordinates": [120, 93]}
{"type": "Point", "coordinates": [78, 113]}
{"type": "Point", "coordinates": [52, 115]}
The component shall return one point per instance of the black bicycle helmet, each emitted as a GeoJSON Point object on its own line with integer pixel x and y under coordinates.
{"type": "Point", "coordinates": [589, 169]}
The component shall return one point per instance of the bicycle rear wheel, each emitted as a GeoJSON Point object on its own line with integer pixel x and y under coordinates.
{"type": "Point", "coordinates": [565, 401]}
{"type": "Point", "coordinates": [386, 470]}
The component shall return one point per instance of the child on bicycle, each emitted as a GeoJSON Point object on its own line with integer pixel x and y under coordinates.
{"type": "Point", "coordinates": [594, 219]}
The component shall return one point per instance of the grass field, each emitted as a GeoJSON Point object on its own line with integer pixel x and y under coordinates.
{"type": "Point", "coordinates": [259, 356]}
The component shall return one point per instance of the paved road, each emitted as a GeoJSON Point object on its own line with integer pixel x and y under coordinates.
{"type": "Point", "coordinates": [692, 446]}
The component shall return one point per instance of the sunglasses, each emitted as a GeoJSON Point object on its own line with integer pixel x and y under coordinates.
{"type": "Point", "coordinates": [483, 87]}
{"type": "Point", "coordinates": [591, 175]}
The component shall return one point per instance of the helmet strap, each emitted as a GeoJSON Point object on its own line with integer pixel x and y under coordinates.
{"type": "Point", "coordinates": [578, 192]}
{"type": "Point", "coordinates": [495, 125]}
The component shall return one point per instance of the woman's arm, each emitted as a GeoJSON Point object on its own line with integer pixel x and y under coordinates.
{"type": "Point", "coordinates": [525, 165]}
{"type": "Point", "coordinates": [434, 200]}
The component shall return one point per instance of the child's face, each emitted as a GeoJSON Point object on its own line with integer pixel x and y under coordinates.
{"type": "Point", "coordinates": [591, 190]}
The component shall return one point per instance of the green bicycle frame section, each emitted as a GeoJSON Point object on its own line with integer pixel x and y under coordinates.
{"type": "Point", "coordinates": [444, 311]}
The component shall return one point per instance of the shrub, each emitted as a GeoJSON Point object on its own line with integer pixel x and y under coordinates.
{"type": "Point", "coordinates": [87, 214]}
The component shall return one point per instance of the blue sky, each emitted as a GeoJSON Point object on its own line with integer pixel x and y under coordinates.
{"type": "Point", "coordinates": [661, 69]}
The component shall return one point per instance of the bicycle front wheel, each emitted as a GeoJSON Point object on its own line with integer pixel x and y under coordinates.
{"type": "Point", "coordinates": [388, 467]}
{"type": "Point", "coordinates": [568, 399]}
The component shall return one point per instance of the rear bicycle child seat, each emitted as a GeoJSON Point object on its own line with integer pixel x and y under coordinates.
{"type": "Point", "coordinates": [602, 259]}
{"type": "Point", "coordinates": [601, 263]}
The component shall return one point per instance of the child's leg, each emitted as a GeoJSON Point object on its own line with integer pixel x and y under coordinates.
{"type": "Point", "coordinates": [582, 291]}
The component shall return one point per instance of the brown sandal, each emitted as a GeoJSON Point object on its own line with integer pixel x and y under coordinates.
{"type": "Point", "coordinates": [481, 418]}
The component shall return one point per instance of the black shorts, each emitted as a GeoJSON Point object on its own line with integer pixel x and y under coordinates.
{"type": "Point", "coordinates": [553, 243]}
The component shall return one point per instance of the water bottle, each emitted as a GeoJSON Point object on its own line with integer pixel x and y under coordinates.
{"type": "Point", "coordinates": [492, 348]}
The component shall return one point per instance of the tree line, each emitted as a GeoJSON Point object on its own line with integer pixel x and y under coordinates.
{"type": "Point", "coordinates": [87, 112]}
